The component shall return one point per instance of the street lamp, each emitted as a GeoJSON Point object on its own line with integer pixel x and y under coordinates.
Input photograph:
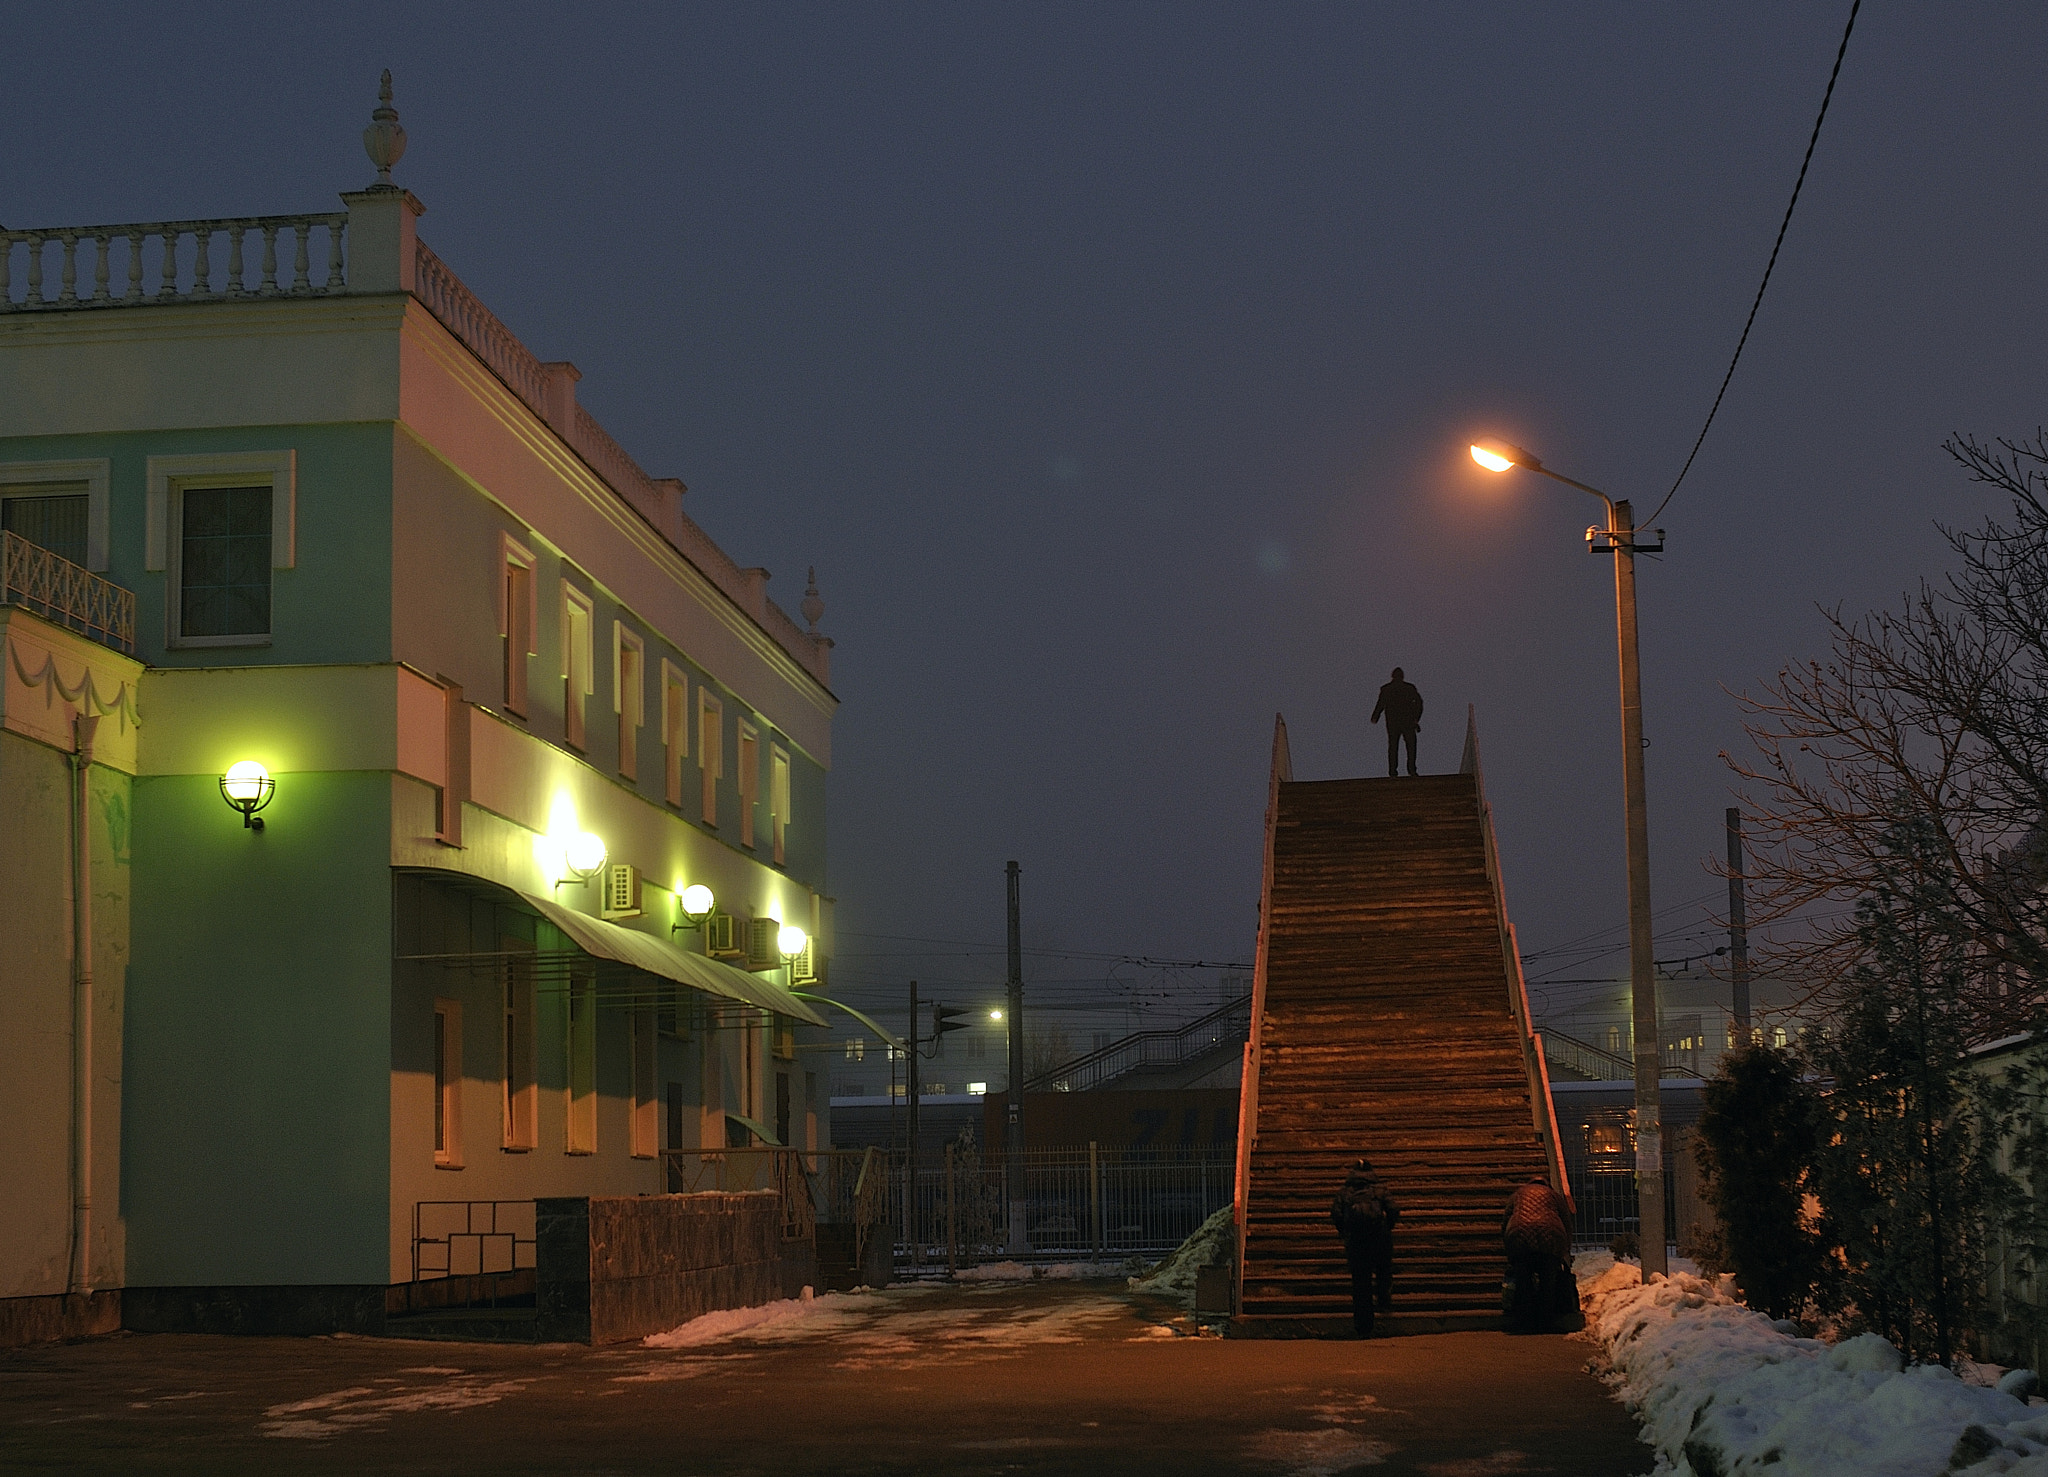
{"type": "Point", "coordinates": [1619, 539]}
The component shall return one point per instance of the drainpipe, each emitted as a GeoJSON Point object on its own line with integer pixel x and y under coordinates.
{"type": "Point", "coordinates": [81, 1014]}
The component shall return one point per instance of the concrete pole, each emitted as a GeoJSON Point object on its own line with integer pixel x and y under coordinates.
{"type": "Point", "coordinates": [1013, 1139]}
{"type": "Point", "coordinates": [912, 1087]}
{"type": "Point", "coordinates": [1649, 1038]}
{"type": "Point", "coordinates": [1738, 930]}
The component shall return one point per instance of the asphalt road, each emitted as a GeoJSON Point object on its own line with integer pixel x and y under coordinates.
{"type": "Point", "coordinates": [1007, 1378]}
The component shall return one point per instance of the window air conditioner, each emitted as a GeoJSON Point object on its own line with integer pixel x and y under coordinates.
{"type": "Point", "coordinates": [622, 890]}
{"type": "Point", "coordinates": [720, 936]}
{"type": "Point", "coordinates": [803, 970]}
{"type": "Point", "coordinates": [764, 944]}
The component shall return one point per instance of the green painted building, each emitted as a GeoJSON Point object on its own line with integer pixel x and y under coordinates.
{"type": "Point", "coordinates": [281, 490]}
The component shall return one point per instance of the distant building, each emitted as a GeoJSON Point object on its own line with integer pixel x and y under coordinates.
{"type": "Point", "coordinates": [281, 491]}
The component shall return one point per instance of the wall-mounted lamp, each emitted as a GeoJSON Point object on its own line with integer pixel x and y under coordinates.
{"type": "Point", "coordinates": [582, 857]}
{"type": "Point", "coordinates": [693, 905]}
{"type": "Point", "coordinates": [247, 786]}
{"type": "Point", "coordinates": [791, 940]}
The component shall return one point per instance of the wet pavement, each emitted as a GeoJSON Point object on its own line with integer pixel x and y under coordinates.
{"type": "Point", "coordinates": [1039, 1377]}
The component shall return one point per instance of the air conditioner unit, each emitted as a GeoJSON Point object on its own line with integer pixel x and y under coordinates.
{"type": "Point", "coordinates": [721, 936]}
{"type": "Point", "coordinates": [764, 944]}
{"type": "Point", "coordinates": [803, 970]}
{"type": "Point", "coordinates": [622, 890]}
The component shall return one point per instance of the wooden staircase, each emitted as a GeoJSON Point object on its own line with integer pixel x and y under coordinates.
{"type": "Point", "coordinates": [1389, 1020]}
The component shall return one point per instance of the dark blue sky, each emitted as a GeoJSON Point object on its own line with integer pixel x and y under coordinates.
{"type": "Point", "coordinates": [1114, 366]}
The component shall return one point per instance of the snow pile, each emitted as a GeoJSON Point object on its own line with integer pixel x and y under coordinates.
{"type": "Point", "coordinates": [1721, 1389]}
{"type": "Point", "coordinates": [1026, 1272]}
{"type": "Point", "coordinates": [728, 1321]}
{"type": "Point", "coordinates": [1214, 1243]}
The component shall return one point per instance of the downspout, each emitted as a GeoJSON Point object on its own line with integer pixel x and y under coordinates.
{"type": "Point", "coordinates": [81, 1012]}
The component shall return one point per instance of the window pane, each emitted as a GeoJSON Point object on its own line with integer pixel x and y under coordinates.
{"type": "Point", "coordinates": [224, 562]}
{"type": "Point", "coordinates": [55, 522]}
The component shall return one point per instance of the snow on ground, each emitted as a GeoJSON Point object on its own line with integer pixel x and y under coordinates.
{"type": "Point", "coordinates": [1721, 1390]}
{"type": "Point", "coordinates": [766, 1317]}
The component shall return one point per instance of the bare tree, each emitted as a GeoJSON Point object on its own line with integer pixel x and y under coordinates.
{"type": "Point", "coordinates": [1937, 711]}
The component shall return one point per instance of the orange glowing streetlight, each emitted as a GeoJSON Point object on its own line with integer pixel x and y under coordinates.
{"type": "Point", "coordinates": [1619, 539]}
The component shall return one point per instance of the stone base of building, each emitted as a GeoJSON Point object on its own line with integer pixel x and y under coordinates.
{"type": "Point", "coordinates": [42, 1320]}
{"type": "Point", "coordinates": [301, 1311]}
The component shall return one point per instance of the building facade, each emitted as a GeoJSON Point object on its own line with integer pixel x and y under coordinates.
{"type": "Point", "coordinates": [509, 702]}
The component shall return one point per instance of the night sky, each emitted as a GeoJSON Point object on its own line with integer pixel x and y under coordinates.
{"type": "Point", "coordinates": [1115, 364]}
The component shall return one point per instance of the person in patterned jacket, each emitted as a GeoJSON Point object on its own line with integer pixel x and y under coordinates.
{"type": "Point", "coordinates": [1537, 1233]}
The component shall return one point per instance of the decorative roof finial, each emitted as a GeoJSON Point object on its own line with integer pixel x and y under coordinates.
{"type": "Point", "coordinates": [384, 139]}
{"type": "Point", "coordinates": [812, 607]}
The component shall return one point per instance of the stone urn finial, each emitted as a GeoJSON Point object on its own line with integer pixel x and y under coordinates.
{"type": "Point", "coordinates": [384, 139]}
{"type": "Point", "coordinates": [813, 607]}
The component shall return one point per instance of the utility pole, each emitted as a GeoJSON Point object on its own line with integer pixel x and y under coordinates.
{"type": "Point", "coordinates": [1642, 969]}
{"type": "Point", "coordinates": [1738, 930]}
{"type": "Point", "coordinates": [1013, 1141]}
{"type": "Point", "coordinates": [912, 1086]}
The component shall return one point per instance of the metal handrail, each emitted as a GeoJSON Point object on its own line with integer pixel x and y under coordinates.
{"type": "Point", "coordinates": [1227, 1023]}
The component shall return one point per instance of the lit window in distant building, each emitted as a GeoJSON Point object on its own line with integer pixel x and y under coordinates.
{"type": "Point", "coordinates": [977, 1089]}
{"type": "Point", "coordinates": [1614, 1039]}
{"type": "Point", "coordinates": [857, 1048]}
{"type": "Point", "coordinates": [1778, 1036]}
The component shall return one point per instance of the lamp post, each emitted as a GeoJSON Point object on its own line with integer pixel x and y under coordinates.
{"type": "Point", "coordinates": [1619, 539]}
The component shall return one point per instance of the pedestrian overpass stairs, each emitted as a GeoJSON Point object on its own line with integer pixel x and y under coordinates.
{"type": "Point", "coordinates": [1389, 1018]}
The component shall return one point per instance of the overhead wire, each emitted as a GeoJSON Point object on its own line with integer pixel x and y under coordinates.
{"type": "Point", "coordinates": [1769, 266]}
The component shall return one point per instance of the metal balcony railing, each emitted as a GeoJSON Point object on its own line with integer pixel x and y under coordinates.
{"type": "Point", "coordinates": [60, 591]}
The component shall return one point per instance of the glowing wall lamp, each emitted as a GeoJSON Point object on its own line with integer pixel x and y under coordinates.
{"type": "Point", "coordinates": [791, 940]}
{"type": "Point", "coordinates": [582, 857]}
{"type": "Point", "coordinates": [693, 905]}
{"type": "Point", "coordinates": [247, 786]}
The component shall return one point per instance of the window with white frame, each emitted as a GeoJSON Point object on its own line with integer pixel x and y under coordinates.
{"type": "Point", "coordinates": [580, 1040]}
{"type": "Point", "coordinates": [517, 623]}
{"type": "Point", "coordinates": [646, 1107]}
{"type": "Point", "coordinates": [448, 1084]}
{"type": "Point", "coordinates": [750, 780]}
{"type": "Point", "coordinates": [778, 798]}
{"type": "Point", "coordinates": [576, 663]}
{"type": "Point", "coordinates": [219, 526]}
{"type": "Point", "coordinates": [675, 730]}
{"type": "Point", "coordinates": [629, 695]}
{"type": "Point", "coordinates": [710, 751]}
{"type": "Point", "coordinates": [521, 1091]}
{"type": "Point", "coordinates": [58, 506]}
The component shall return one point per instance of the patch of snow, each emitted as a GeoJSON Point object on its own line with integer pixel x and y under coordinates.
{"type": "Point", "coordinates": [1214, 1242]}
{"type": "Point", "coordinates": [725, 1322]}
{"type": "Point", "coordinates": [1719, 1389]}
{"type": "Point", "coordinates": [1322, 1453]}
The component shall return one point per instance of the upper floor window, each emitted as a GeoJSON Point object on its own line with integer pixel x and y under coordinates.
{"type": "Point", "coordinates": [629, 658]}
{"type": "Point", "coordinates": [750, 780]}
{"type": "Point", "coordinates": [576, 654]}
{"type": "Point", "coordinates": [219, 526]}
{"type": "Point", "coordinates": [778, 798]}
{"type": "Point", "coordinates": [516, 622]}
{"type": "Point", "coordinates": [710, 750]}
{"type": "Point", "coordinates": [58, 506]}
{"type": "Point", "coordinates": [675, 730]}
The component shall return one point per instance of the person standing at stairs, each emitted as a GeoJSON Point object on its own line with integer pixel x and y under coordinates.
{"type": "Point", "coordinates": [1536, 1233]}
{"type": "Point", "coordinates": [1364, 1215]}
{"type": "Point", "coordinates": [1402, 705]}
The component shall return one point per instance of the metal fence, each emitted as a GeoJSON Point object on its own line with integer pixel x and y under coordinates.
{"type": "Point", "coordinates": [471, 1238]}
{"type": "Point", "coordinates": [1607, 1207]}
{"type": "Point", "coordinates": [1083, 1203]}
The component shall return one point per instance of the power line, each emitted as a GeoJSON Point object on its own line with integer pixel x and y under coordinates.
{"type": "Point", "coordinates": [1783, 225]}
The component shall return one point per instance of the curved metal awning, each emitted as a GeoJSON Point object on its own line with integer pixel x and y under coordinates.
{"type": "Point", "coordinates": [643, 951]}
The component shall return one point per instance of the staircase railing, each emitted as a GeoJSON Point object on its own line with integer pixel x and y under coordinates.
{"type": "Point", "coordinates": [1228, 1024]}
{"type": "Point", "coordinates": [1597, 1063]}
{"type": "Point", "coordinates": [59, 591]}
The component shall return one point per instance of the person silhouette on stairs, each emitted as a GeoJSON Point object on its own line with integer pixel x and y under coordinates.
{"type": "Point", "coordinates": [1364, 1215]}
{"type": "Point", "coordinates": [1402, 705]}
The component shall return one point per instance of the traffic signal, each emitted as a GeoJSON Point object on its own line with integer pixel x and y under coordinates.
{"type": "Point", "coordinates": [945, 1019]}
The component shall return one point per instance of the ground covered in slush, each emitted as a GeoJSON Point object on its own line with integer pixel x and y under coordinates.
{"type": "Point", "coordinates": [1722, 1390]}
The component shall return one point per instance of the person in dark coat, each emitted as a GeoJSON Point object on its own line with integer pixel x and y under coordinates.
{"type": "Point", "coordinates": [1537, 1233]}
{"type": "Point", "coordinates": [1364, 1215]}
{"type": "Point", "coordinates": [1402, 705]}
